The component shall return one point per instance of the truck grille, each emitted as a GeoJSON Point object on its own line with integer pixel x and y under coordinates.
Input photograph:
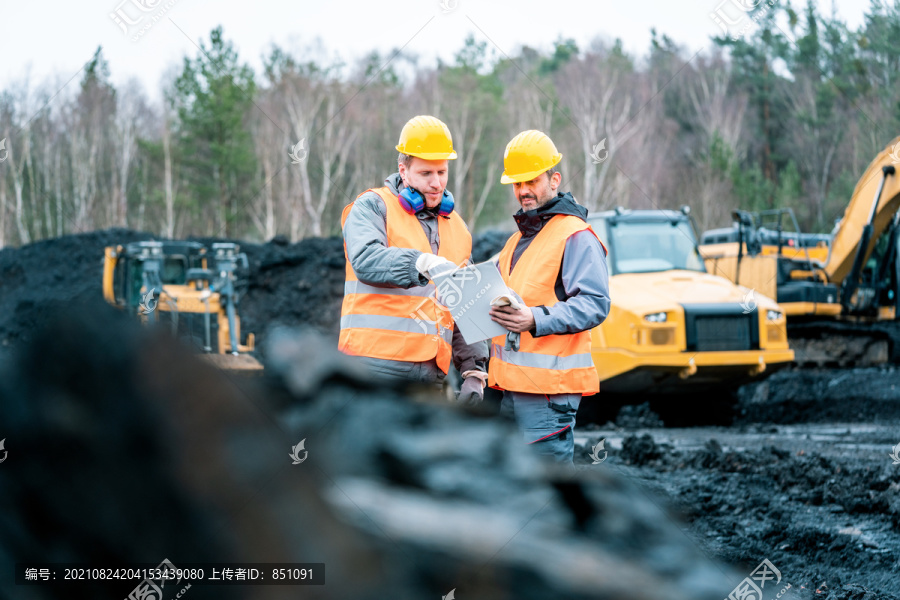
{"type": "Point", "coordinates": [720, 327]}
{"type": "Point", "coordinates": [722, 333]}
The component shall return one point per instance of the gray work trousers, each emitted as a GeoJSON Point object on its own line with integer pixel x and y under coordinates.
{"type": "Point", "coordinates": [547, 422]}
{"type": "Point", "coordinates": [420, 372]}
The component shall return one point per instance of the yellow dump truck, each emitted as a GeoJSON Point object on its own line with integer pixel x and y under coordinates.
{"type": "Point", "coordinates": [673, 326]}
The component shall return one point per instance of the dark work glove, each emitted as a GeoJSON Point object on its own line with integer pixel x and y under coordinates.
{"type": "Point", "coordinates": [471, 393]}
{"type": "Point", "coordinates": [512, 341]}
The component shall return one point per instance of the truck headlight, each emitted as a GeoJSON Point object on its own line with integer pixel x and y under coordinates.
{"type": "Point", "coordinates": [772, 315]}
{"type": "Point", "coordinates": [658, 317]}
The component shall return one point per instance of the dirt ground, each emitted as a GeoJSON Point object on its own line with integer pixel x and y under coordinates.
{"type": "Point", "coordinates": [801, 476]}
{"type": "Point", "coordinates": [795, 469]}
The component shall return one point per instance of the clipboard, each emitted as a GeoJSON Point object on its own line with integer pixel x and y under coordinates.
{"type": "Point", "coordinates": [467, 293]}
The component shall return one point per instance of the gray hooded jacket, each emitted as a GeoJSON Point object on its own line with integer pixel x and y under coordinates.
{"type": "Point", "coordinates": [582, 285]}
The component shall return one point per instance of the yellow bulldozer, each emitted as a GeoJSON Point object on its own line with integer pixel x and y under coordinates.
{"type": "Point", "coordinates": [840, 291]}
{"type": "Point", "coordinates": [188, 287]}
{"type": "Point", "coordinates": [673, 326]}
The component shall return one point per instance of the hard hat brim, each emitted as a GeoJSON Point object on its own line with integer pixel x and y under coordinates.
{"type": "Point", "coordinates": [429, 155]}
{"type": "Point", "coordinates": [521, 177]}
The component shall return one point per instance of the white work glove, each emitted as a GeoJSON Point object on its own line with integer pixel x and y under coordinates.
{"type": "Point", "coordinates": [430, 265]}
{"type": "Point", "coordinates": [514, 300]}
{"type": "Point", "coordinates": [511, 299]}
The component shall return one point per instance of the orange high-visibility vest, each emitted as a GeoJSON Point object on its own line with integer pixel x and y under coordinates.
{"type": "Point", "coordinates": [396, 323]}
{"type": "Point", "coordinates": [550, 364]}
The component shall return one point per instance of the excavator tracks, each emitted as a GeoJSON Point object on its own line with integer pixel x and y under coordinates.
{"type": "Point", "coordinates": [823, 343]}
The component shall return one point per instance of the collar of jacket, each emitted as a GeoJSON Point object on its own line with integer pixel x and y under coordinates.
{"type": "Point", "coordinates": [530, 222]}
{"type": "Point", "coordinates": [395, 184]}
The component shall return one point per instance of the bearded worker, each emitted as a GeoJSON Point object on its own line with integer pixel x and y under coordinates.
{"type": "Point", "coordinates": [557, 265]}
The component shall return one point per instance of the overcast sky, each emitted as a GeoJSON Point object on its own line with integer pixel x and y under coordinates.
{"type": "Point", "coordinates": [54, 38]}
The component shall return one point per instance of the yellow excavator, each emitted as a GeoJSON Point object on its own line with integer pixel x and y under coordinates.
{"type": "Point", "coordinates": [839, 290]}
{"type": "Point", "coordinates": [673, 326]}
{"type": "Point", "coordinates": [189, 288]}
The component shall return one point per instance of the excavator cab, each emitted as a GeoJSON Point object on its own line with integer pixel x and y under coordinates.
{"type": "Point", "coordinates": [170, 263]}
{"type": "Point", "coordinates": [767, 252]}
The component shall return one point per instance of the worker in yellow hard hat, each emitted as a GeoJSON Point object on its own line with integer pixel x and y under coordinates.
{"type": "Point", "coordinates": [396, 239]}
{"type": "Point", "coordinates": [557, 265]}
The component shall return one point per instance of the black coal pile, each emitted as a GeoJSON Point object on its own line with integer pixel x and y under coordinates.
{"type": "Point", "coordinates": [41, 278]}
{"type": "Point", "coordinates": [286, 284]}
{"type": "Point", "coordinates": [822, 395]}
{"type": "Point", "coordinates": [124, 448]}
{"type": "Point", "coordinates": [488, 243]}
{"type": "Point", "coordinates": [638, 416]}
{"type": "Point", "coordinates": [831, 522]}
{"type": "Point", "coordinates": [294, 284]}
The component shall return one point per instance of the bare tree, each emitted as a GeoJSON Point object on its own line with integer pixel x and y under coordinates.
{"type": "Point", "coordinates": [16, 133]}
{"type": "Point", "coordinates": [718, 117]}
{"type": "Point", "coordinates": [302, 98]}
{"type": "Point", "coordinates": [599, 96]}
{"type": "Point", "coordinates": [130, 107]}
{"type": "Point", "coordinates": [814, 140]}
{"type": "Point", "coordinates": [336, 137]}
{"type": "Point", "coordinates": [169, 225]}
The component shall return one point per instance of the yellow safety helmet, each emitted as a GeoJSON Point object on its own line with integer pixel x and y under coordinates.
{"type": "Point", "coordinates": [528, 155]}
{"type": "Point", "coordinates": [426, 137]}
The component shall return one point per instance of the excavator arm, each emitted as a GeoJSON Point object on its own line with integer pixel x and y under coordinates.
{"type": "Point", "coordinates": [875, 201]}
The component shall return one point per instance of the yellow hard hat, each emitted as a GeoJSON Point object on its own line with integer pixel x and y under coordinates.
{"type": "Point", "coordinates": [528, 155]}
{"type": "Point", "coordinates": [426, 137]}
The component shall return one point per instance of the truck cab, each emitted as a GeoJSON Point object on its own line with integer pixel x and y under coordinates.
{"type": "Point", "coordinates": [672, 325]}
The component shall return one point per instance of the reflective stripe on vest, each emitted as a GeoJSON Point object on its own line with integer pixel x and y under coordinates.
{"type": "Point", "coordinates": [543, 361]}
{"type": "Point", "coordinates": [358, 287]}
{"type": "Point", "coordinates": [550, 364]}
{"type": "Point", "coordinates": [394, 323]}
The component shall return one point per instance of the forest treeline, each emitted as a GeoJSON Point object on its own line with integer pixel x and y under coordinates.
{"type": "Point", "coordinates": [786, 115]}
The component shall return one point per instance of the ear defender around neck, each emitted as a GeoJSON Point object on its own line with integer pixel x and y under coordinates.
{"type": "Point", "coordinates": [446, 204]}
{"type": "Point", "coordinates": [412, 202]}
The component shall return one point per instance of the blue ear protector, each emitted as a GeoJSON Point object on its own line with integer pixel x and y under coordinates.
{"type": "Point", "coordinates": [412, 202]}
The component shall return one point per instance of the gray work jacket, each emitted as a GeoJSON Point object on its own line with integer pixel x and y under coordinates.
{"type": "Point", "coordinates": [377, 264]}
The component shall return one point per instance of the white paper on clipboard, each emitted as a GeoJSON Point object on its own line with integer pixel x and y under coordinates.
{"type": "Point", "coordinates": [467, 293]}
